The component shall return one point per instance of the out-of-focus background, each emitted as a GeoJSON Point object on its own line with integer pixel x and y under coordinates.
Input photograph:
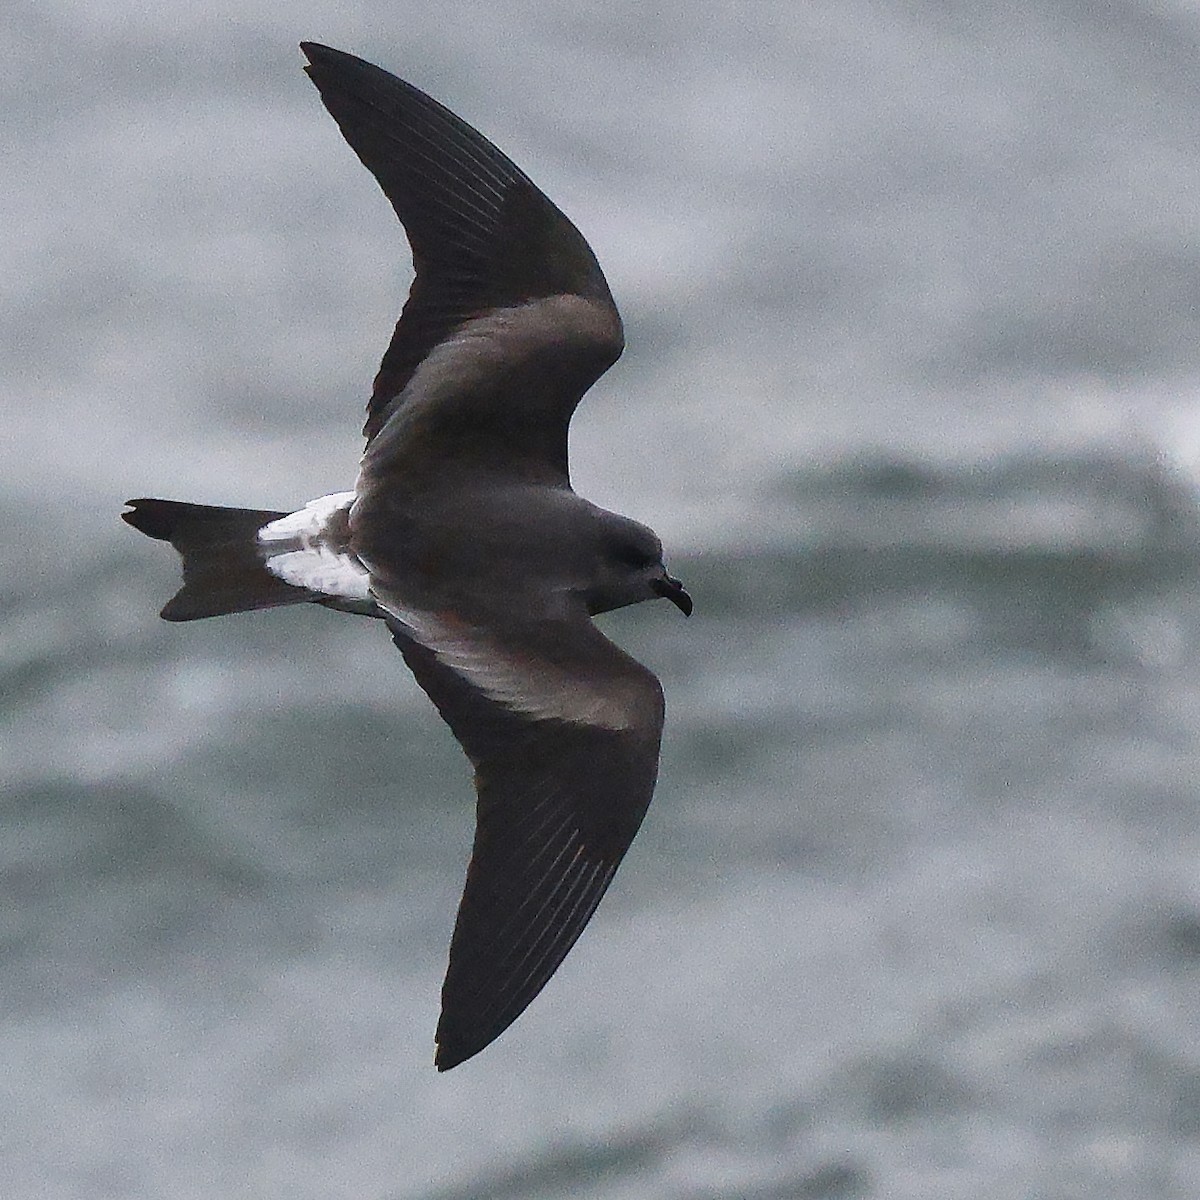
{"type": "Point", "coordinates": [912, 291]}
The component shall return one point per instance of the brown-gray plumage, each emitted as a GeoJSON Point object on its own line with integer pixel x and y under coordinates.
{"type": "Point", "coordinates": [464, 535]}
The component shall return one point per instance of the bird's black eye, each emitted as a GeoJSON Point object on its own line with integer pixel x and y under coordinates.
{"type": "Point", "coordinates": [632, 555]}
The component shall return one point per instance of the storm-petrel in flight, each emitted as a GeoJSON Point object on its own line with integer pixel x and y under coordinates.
{"type": "Point", "coordinates": [463, 534]}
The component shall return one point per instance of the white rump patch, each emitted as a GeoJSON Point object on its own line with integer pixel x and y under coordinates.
{"type": "Point", "coordinates": [533, 686]}
{"type": "Point", "coordinates": [319, 569]}
{"type": "Point", "coordinates": [302, 549]}
{"type": "Point", "coordinates": [310, 522]}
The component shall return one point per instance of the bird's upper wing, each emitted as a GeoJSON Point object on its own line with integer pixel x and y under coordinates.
{"type": "Point", "coordinates": [509, 319]}
{"type": "Point", "coordinates": [563, 729]}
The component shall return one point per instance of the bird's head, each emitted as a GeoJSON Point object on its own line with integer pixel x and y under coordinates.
{"type": "Point", "coordinates": [632, 570]}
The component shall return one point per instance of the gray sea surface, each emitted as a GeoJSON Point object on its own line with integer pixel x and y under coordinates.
{"type": "Point", "coordinates": [912, 292]}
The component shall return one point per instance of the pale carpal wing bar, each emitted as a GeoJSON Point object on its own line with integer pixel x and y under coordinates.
{"type": "Point", "coordinates": [559, 802]}
{"type": "Point", "coordinates": [483, 237]}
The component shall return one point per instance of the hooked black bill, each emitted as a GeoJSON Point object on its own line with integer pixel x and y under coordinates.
{"type": "Point", "coordinates": [671, 589]}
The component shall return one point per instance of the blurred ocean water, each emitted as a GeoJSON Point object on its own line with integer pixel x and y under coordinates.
{"type": "Point", "coordinates": [912, 299]}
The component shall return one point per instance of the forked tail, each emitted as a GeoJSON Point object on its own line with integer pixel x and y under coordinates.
{"type": "Point", "coordinates": [224, 570]}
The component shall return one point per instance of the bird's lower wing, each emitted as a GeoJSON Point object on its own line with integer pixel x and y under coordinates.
{"type": "Point", "coordinates": [560, 796]}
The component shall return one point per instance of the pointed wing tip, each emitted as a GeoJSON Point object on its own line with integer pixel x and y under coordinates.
{"type": "Point", "coordinates": [449, 1056]}
{"type": "Point", "coordinates": [460, 1035]}
{"type": "Point", "coordinates": [445, 1061]}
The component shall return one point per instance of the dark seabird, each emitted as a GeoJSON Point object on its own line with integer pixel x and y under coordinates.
{"type": "Point", "coordinates": [463, 534]}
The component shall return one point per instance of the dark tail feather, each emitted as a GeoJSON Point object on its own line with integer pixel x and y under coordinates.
{"type": "Point", "coordinates": [223, 571]}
